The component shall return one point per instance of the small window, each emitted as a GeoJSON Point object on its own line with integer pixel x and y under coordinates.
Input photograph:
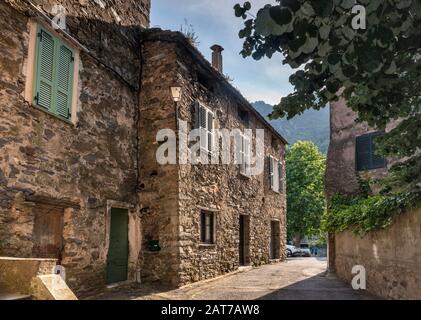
{"type": "Point", "coordinates": [204, 122]}
{"type": "Point", "coordinates": [53, 77]}
{"type": "Point", "coordinates": [274, 142]}
{"type": "Point", "coordinates": [276, 175]}
{"type": "Point", "coordinates": [365, 153]}
{"type": "Point", "coordinates": [244, 116]}
{"type": "Point", "coordinates": [207, 227]}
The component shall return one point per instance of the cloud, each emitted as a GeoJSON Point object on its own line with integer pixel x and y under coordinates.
{"type": "Point", "coordinates": [254, 93]}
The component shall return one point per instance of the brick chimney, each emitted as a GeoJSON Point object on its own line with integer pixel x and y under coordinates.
{"type": "Point", "coordinates": [217, 57]}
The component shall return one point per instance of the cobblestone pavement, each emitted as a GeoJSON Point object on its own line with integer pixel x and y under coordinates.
{"type": "Point", "coordinates": [297, 278]}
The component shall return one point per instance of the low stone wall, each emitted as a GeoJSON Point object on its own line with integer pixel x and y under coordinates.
{"type": "Point", "coordinates": [391, 257]}
{"type": "Point", "coordinates": [16, 274]}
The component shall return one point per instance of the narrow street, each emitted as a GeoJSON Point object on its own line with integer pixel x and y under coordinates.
{"type": "Point", "coordinates": [297, 278]}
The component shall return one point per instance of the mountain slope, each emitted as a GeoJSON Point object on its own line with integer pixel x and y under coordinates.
{"type": "Point", "coordinates": [312, 125]}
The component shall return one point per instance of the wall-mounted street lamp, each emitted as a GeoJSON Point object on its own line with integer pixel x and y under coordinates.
{"type": "Point", "coordinates": [176, 93]}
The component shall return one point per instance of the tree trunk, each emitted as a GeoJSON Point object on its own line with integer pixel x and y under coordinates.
{"type": "Point", "coordinates": [297, 240]}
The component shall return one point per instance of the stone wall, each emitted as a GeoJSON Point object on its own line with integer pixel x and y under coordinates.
{"type": "Point", "coordinates": [391, 257]}
{"type": "Point", "coordinates": [158, 185]}
{"type": "Point", "coordinates": [216, 187]}
{"type": "Point", "coordinates": [76, 167]}
{"type": "Point", "coordinates": [341, 175]}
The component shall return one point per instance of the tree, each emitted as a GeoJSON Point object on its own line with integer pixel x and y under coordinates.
{"type": "Point", "coordinates": [376, 69]}
{"type": "Point", "coordinates": [305, 192]}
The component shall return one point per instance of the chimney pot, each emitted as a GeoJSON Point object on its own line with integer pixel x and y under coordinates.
{"type": "Point", "coordinates": [217, 57]}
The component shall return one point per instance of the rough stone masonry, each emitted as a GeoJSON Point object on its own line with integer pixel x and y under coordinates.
{"type": "Point", "coordinates": [64, 178]}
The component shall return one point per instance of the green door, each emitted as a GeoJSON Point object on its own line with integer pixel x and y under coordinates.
{"type": "Point", "coordinates": [118, 251]}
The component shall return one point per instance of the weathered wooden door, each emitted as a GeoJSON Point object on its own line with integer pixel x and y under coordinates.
{"type": "Point", "coordinates": [48, 231]}
{"type": "Point", "coordinates": [118, 251]}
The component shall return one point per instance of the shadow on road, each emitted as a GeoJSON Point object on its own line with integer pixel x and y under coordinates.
{"type": "Point", "coordinates": [318, 287]}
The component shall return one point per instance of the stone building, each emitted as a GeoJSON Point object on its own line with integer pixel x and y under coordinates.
{"type": "Point", "coordinates": [390, 256]}
{"type": "Point", "coordinates": [80, 110]}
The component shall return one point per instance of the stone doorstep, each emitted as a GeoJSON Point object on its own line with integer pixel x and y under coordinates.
{"type": "Point", "coordinates": [244, 268]}
{"type": "Point", "coordinates": [274, 261]}
{"type": "Point", "coordinates": [14, 296]}
{"type": "Point", "coordinates": [119, 284]}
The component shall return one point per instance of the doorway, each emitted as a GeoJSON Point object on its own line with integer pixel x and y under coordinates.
{"type": "Point", "coordinates": [48, 231]}
{"type": "Point", "coordinates": [275, 240]}
{"type": "Point", "coordinates": [118, 251]}
{"type": "Point", "coordinates": [244, 240]}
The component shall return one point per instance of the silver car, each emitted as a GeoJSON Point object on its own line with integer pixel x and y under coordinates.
{"type": "Point", "coordinates": [292, 251]}
{"type": "Point", "coordinates": [305, 250]}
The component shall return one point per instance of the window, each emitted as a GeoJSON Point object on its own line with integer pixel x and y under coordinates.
{"type": "Point", "coordinates": [245, 153]}
{"type": "Point", "coordinates": [204, 122]}
{"type": "Point", "coordinates": [53, 74]}
{"type": "Point", "coordinates": [207, 227]}
{"type": "Point", "coordinates": [244, 116]}
{"type": "Point", "coordinates": [276, 175]}
{"type": "Point", "coordinates": [365, 153]}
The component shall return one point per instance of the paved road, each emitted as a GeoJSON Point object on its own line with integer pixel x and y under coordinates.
{"type": "Point", "coordinates": [297, 278]}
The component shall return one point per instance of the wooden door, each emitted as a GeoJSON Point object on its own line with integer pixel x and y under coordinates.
{"type": "Point", "coordinates": [118, 251]}
{"type": "Point", "coordinates": [48, 232]}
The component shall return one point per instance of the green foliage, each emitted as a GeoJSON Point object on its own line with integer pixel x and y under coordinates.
{"type": "Point", "coordinates": [305, 192]}
{"type": "Point", "coordinates": [378, 69]}
{"type": "Point", "coordinates": [190, 33]}
{"type": "Point", "coordinates": [364, 214]}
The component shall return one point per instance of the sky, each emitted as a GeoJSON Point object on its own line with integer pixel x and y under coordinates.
{"type": "Point", "coordinates": [215, 23]}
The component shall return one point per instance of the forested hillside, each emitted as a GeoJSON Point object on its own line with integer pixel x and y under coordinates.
{"type": "Point", "coordinates": [312, 125]}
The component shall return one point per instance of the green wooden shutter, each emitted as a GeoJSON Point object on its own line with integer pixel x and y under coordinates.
{"type": "Point", "coordinates": [363, 152]}
{"type": "Point", "coordinates": [45, 70]}
{"type": "Point", "coordinates": [378, 161]}
{"type": "Point", "coordinates": [366, 156]}
{"type": "Point", "coordinates": [64, 81]}
{"type": "Point", "coordinates": [54, 75]}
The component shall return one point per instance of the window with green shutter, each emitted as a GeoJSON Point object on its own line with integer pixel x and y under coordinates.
{"type": "Point", "coordinates": [53, 74]}
{"type": "Point", "coordinates": [366, 157]}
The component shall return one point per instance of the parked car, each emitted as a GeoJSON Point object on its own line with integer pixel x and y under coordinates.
{"type": "Point", "coordinates": [292, 251]}
{"type": "Point", "coordinates": [305, 250]}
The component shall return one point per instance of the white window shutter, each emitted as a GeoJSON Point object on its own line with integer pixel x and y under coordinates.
{"type": "Point", "coordinates": [196, 115]}
{"type": "Point", "coordinates": [247, 155]}
{"type": "Point", "coordinates": [242, 157]}
{"type": "Point", "coordinates": [210, 131]}
{"type": "Point", "coordinates": [202, 126]}
{"type": "Point", "coordinates": [271, 175]}
{"type": "Point", "coordinates": [275, 175]}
